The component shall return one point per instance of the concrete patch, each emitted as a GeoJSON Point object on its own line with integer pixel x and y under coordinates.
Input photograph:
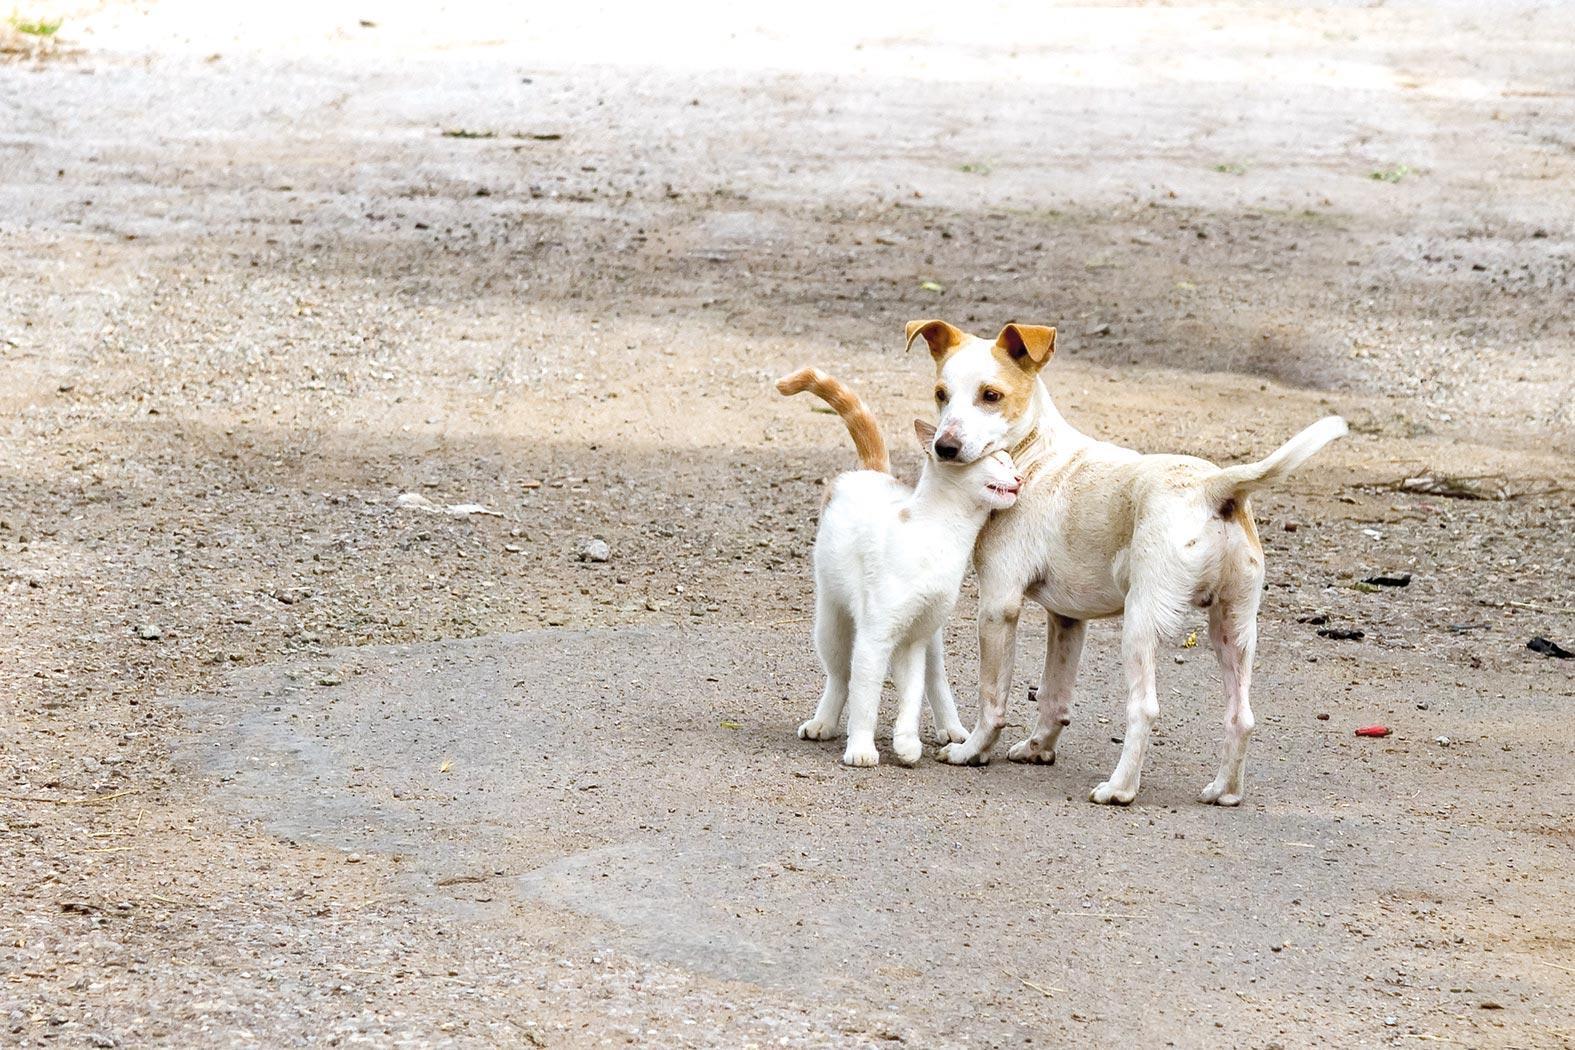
{"type": "Point", "coordinates": [647, 779]}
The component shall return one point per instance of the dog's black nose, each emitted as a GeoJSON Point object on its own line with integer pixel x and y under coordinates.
{"type": "Point", "coordinates": [947, 448]}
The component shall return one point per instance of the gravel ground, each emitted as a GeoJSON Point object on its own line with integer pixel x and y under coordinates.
{"type": "Point", "coordinates": [265, 276]}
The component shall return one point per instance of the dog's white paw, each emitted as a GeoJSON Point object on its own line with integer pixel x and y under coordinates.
{"type": "Point", "coordinates": [1107, 794]}
{"type": "Point", "coordinates": [861, 755]}
{"type": "Point", "coordinates": [1215, 794]}
{"type": "Point", "coordinates": [909, 749]}
{"type": "Point", "coordinates": [1031, 750]}
{"type": "Point", "coordinates": [960, 754]}
{"type": "Point", "coordinates": [815, 729]}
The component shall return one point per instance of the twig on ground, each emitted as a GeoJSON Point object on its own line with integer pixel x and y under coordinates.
{"type": "Point", "coordinates": [1490, 487]}
{"type": "Point", "coordinates": [1041, 989]}
{"type": "Point", "coordinates": [1097, 914]}
{"type": "Point", "coordinates": [398, 976]}
{"type": "Point", "coordinates": [1491, 604]}
{"type": "Point", "coordinates": [93, 801]}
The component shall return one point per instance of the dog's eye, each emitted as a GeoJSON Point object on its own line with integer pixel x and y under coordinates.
{"type": "Point", "coordinates": [940, 396]}
{"type": "Point", "coordinates": [989, 396]}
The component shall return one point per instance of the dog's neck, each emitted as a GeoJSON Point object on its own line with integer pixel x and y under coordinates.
{"type": "Point", "coordinates": [1043, 434]}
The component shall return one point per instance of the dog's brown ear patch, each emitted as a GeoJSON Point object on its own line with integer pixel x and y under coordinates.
{"type": "Point", "coordinates": [941, 337]}
{"type": "Point", "coordinates": [1030, 345]}
{"type": "Point", "coordinates": [926, 432]}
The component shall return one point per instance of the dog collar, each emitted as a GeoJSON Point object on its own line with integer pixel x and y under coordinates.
{"type": "Point", "coordinates": [1021, 447]}
{"type": "Point", "coordinates": [1025, 444]}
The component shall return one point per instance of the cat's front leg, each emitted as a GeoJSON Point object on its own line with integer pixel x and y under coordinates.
{"type": "Point", "coordinates": [943, 705]}
{"type": "Point", "coordinates": [907, 674]}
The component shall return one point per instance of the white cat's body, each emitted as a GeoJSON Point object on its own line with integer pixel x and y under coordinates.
{"type": "Point", "coordinates": [889, 562]}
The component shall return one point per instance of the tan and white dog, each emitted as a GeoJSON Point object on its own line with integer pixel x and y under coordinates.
{"type": "Point", "coordinates": [1100, 530]}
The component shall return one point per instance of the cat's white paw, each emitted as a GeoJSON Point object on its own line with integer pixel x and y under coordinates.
{"type": "Point", "coordinates": [908, 749]}
{"type": "Point", "coordinates": [861, 754]}
{"type": "Point", "coordinates": [815, 729]}
{"type": "Point", "coordinates": [950, 734]}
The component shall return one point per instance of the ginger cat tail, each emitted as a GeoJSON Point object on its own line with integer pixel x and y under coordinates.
{"type": "Point", "coordinates": [861, 425]}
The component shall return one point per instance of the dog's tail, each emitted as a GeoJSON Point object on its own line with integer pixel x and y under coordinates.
{"type": "Point", "coordinates": [860, 423]}
{"type": "Point", "coordinates": [1234, 482]}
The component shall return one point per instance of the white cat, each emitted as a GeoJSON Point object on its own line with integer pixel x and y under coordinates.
{"type": "Point", "coordinates": [889, 561]}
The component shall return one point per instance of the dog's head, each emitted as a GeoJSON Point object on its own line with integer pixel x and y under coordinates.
{"type": "Point", "coordinates": [983, 391]}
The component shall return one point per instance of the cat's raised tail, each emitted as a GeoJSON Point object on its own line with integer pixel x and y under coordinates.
{"type": "Point", "coordinates": [861, 424]}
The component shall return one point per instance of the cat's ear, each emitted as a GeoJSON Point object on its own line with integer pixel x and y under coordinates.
{"type": "Point", "coordinates": [926, 432]}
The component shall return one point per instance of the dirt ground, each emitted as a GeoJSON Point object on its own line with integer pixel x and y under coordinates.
{"type": "Point", "coordinates": [288, 762]}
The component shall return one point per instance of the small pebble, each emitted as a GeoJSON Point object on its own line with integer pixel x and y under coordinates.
{"type": "Point", "coordinates": [1442, 741]}
{"type": "Point", "coordinates": [594, 551]}
{"type": "Point", "coordinates": [149, 632]}
{"type": "Point", "coordinates": [1322, 716]}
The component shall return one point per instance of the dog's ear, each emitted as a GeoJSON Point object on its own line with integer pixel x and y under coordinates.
{"type": "Point", "coordinates": [1030, 345]}
{"type": "Point", "coordinates": [942, 337]}
{"type": "Point", "coordinates": [926, 432]}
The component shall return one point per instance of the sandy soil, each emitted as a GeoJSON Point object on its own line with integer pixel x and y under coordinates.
{"type": "Point", "coordinates": [289, 763]}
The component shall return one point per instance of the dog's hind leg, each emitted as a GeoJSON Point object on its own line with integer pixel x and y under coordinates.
{"type": "Point", "coordinates": [1063, 650]}
{"type": "Point", "coordinates": [943, 705]}
{"type": "Point", "coordinates": [834, 645]}
{"type": "Point", "coordinates": [1233, 630]}
{"type": "Point", "coordinates": [1139, 644]}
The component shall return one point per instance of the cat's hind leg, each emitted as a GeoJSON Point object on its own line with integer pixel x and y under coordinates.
{"type": "Point", "coordinates": [834, 646]}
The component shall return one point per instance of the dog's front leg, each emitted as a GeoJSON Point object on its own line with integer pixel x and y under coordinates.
{"type": "Point", "coordinates": [1139, 643]}
{"type": "Point", "coordinates": [943, 705]}
{"type": "Point", "coordinates": [1063, 650]}
{"type": "Point", "coordinates": [997, 649]}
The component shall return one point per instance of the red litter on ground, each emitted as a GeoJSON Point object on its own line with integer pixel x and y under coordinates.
{"type": "Point", "coordinates": [1373, 731]}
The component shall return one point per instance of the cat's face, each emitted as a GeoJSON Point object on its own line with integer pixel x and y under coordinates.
{"type": "Point", "coordinates": [999, 481]}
